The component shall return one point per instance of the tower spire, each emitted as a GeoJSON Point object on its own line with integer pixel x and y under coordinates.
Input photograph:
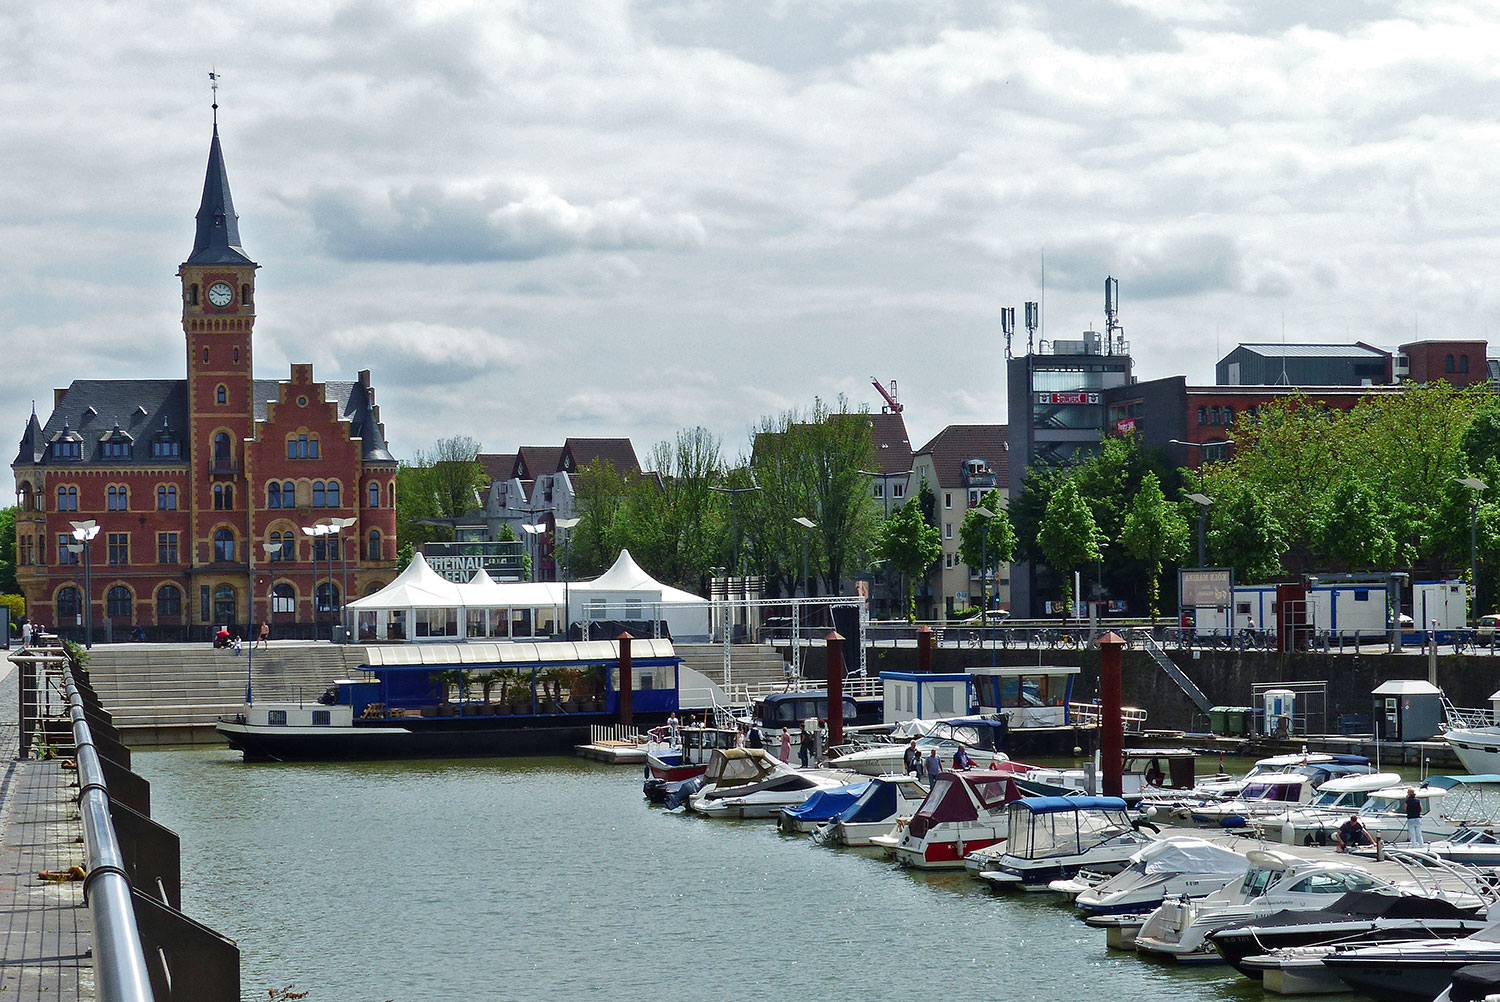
{"type": "Point", "coordinates": [218, 237]}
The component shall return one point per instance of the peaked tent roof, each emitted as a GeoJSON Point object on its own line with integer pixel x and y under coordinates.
{"type": "Point", "coordinates": [218, 238]}
{"type": "Point", "coordinates": [419, 586]}
{"type": "Point", "coordinates": [624, 575]}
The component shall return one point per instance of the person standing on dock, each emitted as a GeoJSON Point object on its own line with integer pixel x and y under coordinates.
{"type": "Point", "coordinates": [934, 764]}
{"type": "Point", "coordinates": [786, 745]}
{"type": "Point", "coordinates": [1414, 818]}
{"type": "Point", "coordinates": [912, 759]}
{"type": "Point", "coordinates": [804, 747]}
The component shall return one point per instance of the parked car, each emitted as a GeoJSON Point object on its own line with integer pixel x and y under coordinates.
{"type": "Point", "coordinates": [1489, 625]}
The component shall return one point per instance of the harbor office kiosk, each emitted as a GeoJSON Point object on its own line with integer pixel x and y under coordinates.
{"type": "Point", "coordinates": [1407, 709]}
{"type": "Point", "coordinates": [925, 695]}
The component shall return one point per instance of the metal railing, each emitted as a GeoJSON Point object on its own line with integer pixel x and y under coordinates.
{"type": "Point", "coordinates": [1088, 714]}
{"type": "Point", "coordinates": [119, 958]}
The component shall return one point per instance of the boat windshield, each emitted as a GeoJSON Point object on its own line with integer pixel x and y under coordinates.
{"type": "Point", "coordinates": [1476, 836]}
{"type": "Point", "coordinates": [1270, 791]}
{"type": "Point", "coordinates": [1256, 881]}
{"type": "Point", "coordinates": [726, 770]}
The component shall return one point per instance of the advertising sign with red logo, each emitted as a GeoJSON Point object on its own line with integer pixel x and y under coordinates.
{"type": "Point", "coordinates": [1075, 397]}
{"type": "Point", "coordinates": [1125, 426]}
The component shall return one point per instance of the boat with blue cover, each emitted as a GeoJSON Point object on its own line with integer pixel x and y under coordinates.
{"type": "Point", "coordinates": [880, 808]}
{"type": "Point", "coordinates": [820, 808]}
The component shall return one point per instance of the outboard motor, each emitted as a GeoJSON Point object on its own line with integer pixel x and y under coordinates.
{"type": "Point", "coordinates": [679, 796]}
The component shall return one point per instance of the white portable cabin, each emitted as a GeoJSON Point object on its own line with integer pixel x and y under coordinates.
{"type": "Point", "coordinates": [910, 695]}
{"type": "Point", "coordinates": [1280, 705]}
{"type": "Point", "coordinates": [1255, 603]}
{"type": "Point", "coordinates": [1442, 602]}
{"type": "Point", "coordinates": [1347, 610]}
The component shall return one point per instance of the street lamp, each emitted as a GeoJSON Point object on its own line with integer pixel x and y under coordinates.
{"type": "Point", "coordinates": [1475, 486]}
{"type": "Point", "coordinates": [320, 529]}
{"type": "Point", "coordinates": [85, 532]}
{"type": "Point", "coordinates": [734, 515]}
{"type": "Point", "coordinates": [1202, 501]}
{"type": "Point", "coordinates": [567, 525]}
{"type": "Point", "coordinates": [339, 525]}
{"type": "Point", "coordinates": [535, 529]}
{"type": "Point", "coordinates": [809, 525]}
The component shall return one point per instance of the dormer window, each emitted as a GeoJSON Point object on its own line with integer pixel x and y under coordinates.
{"type": "Point", "coordinates": [67, 448]}
{"type": "Point", "coordinates": [117, 448]}
{"type": "Point", "coordinates": [165, 448]}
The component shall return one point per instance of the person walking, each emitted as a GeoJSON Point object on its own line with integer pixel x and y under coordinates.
{"type": "Point", "coordinates": [1414, 819]}
{"type": "Point", "coordinates": [26, 633]}
{"type": "Point", "coordinates": [934, 765]}
{"type": "Point", "coordinates": [786, 744]}
{"type": "Point", "coordinates": [912, 759]}
{"type": "Point", "coordinates": [263, 640]}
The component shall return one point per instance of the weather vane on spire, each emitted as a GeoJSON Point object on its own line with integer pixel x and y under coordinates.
{"type": "Point", "coordinates": [213, 85]}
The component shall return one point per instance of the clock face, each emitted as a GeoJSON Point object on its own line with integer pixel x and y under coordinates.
{"type": "Point", "coordinates": [220, 294]}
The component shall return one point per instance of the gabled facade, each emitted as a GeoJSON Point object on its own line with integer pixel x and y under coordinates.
{"type": "Point", "coordinates": [201, 487]}
{"type": "Point", "coordinates": [962, 464]}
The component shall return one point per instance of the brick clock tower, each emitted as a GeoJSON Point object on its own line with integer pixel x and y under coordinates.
{"type": "Point", "coordinates": [218, 315]}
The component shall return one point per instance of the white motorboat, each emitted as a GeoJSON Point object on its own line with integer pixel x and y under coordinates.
{"type": "Point", "coordinates": [751, 783]}
{"type": "Point", "coordinates": [1478, 748]}
{"type": "Point", "coordinates": [1329, 808]}
{"type": "Point", "coordinates": [1468, 846]}
{"type": "Point", "coordinates": [1266, 795]}
{"type": "Point", "coordinates": [1219, 788]}
{"type": "Point", "coordinates": [1276, 881]}
{"type": "Point", "coordinates": [1384, 814]}
{"type": "Point", "coordinates": [980, 737]}
{"type": "Point", "coordinates": [1055, 837]}
{"type": "Point", "coordinates": [1173, 865]}
{"type": "Point", "coordinates": [820, 808]}
{"type": "Point", "coordinates": [1415, 970]}
{"type": "Point", "coordinates": [963, 811]}
{"type": "Point", "coordinates": [885, 800]}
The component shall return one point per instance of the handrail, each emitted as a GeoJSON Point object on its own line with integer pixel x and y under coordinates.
{"type": "Point", "coordinates": [119, 959]}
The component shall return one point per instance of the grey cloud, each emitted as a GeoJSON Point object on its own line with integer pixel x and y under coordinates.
{"type": "Point", "coordinates": [496, 222]}
{"type": "Point", "coordinates": [1152, 266]}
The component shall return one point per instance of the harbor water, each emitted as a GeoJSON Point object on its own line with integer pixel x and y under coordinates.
{"type": "Point", "coordinates": [551, 878]}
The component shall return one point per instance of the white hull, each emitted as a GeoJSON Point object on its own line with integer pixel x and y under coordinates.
{"type": "Point", "coordinates": [1478, 748]}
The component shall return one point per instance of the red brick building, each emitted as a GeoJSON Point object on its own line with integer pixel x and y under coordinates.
{"type": "Point", "coordinates": [201, 487]}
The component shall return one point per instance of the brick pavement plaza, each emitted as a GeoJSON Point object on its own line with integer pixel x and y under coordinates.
{"type": "Point", "coordinates": [45, 933]}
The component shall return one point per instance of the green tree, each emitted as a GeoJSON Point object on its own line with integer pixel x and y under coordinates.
{"type": "Point", "coordinates": [442, 483]}
{"type": "Point", "coordinates": [1155, 532]}
{"type": "Point", "coordinates": [1351, 525]}
{"type": "Point", "coordinates": [781, 465]}
{"type": "Point", "coordinates": [840, 446]}
{"type": "Point", "coordinates": [910, 544]}
{"type": "Point", "coordinates": [8, 585]}
{"type": "Point", "coordinates": [1244, 534]}
{"type": "Point", "coordinates": [600, 496]}
{"type": "Point", "coordinates": [1069, 537]}
{"type": "Point", "coordinates": [998, 547]}
{"type": "Point", "coordinates": [673, 522]}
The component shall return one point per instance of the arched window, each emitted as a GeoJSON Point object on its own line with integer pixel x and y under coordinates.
{"type": "Point", "coordinates": [224, 604]}
{"type": "Point", "coordinates": [1448, 364]}
{"type": "Point", "coordinates": [168, 602]}
{"type": "Point", "coordinates": [67, 499]}
{"type": "Point", "coordinates": [223, 545]}
{"type": "Point", "coordinates": [193, 294]}
{"type": "Point", "coordinates": [221, 445]}
{"type": "Point", "coordinates": [320, 495]}
{"type": "Point", "coordinates": [1463, 363]}
{"type": "Point", "coordinates": [118, 498]}
{"type": "Point", "coordinates": [221, 395]}
{"type": "Point", "coordinates": [223, 497]}
{"type": "Point", "coordinates": [275, 541]}
{"type": "Point", "coordinates": [333, 494]}
{"type": "Point", "coordinates": [166, 498]}
{"type": "Point", "coordinates": [326, 547]}
{"type": "Point", "coordinates": [373, 550]}
{"type": "Point", "coordinates": [390, 495]}
{"type": "Point", "coordinates": [118, 602]}
{"type": "Point", "coordinates": [328, 597]}
{"type": "Point", "coordinates": [245, 294]}
{"type": "Point", "coordinates": [273, 495]}
{"type": "Point", "coordinates": [283, 599]}
{"type": "Point", "coordinates": [374, 492]}
{"type": "Point", "coordinates": [68, 604]}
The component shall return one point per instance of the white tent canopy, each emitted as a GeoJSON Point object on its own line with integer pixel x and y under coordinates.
{"type": "Point", "coordinates": [421, 605]}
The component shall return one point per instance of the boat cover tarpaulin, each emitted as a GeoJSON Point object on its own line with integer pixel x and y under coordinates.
{"type": "Point", "coordinates": [1475, 983]}
{"type": "Point", "coordinates": [877, 803]}
{"type": "Point", "coordinates": [1057, 805]}
{"type": "Point", "coordinates": [1370, 905]}
{"type": "Point", "coordinates": [1185, 854]}
{"type": "Point", "coordinates": [825, 805]}
{"type": "Point", "coordinates": [740, 766]}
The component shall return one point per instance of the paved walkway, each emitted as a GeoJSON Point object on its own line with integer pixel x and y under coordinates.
{"type": "Point", "coordinates": [45, 933]}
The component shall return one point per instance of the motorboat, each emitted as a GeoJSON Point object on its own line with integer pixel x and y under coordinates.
{"type": "Point", "coordinates": [1275, 881]}
{"type": "Point", "coordinates": [1158, 773]}
{"type": "Point", "coordinates": [1477, 746]}
{"type": "Point", "coordinates": [751, 783]}
{"type": "Point", "coordinates": [1414, 970]}
{"type": "Point", "coordinates": [963, 811]}
{"type": "Point", "coordinates": [687, 752]}
{"type": "Point", "coordinates": [1219, 788]}
{"type": "Point", "coordinates": [1172, 865]}
{"type": "Point", "coordinates": [980, 737]}
{"type": "Point", "coordinates": [886, 799]}
{"type": "Point", "coordinates": [1468, 846]}
{"type": "Point", "coordinates": [1330, 807]}
{"type": "Point", "coordinates": [1359, 916]}
{"type": "Point", "coordinates": [1474, 983]}
{"type": "Point", "coordinates": [820, 808]}
{"type": "Point", "coordinates": [1054, 837]}
{"type": "Point", "coordinates": [1267, 795]}
{"type": "Point", "coordinates": [1384, 814]}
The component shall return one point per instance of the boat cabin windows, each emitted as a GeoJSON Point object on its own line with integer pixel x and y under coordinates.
{"type": "Point", "coordinates": [276, 718]}
{"type": "Point", "coordinates": [322, 718]}
{"type": "Point", "coordinates": [1332, 883]}
{"type": "Point", "coordinates": [1257, 881]}
{"type": "Point", "coordinates": [785, 709]}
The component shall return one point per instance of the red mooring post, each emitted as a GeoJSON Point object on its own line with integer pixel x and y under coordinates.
{"type": "Point", "coordinates": [924, 648]}
{"type": "Point", "coordinates": [627, 683]}
{"type": "Point", "coordinates": [1111, 723]}
{"type": "Point", "coordinates": [835, 644]}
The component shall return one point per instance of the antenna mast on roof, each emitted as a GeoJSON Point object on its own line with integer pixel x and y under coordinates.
{"type": "Point", "coordinates": [1008, 325]}
{"type": "Point", "coordinates": [1284, 380]}
{"type": "Point", "coordinates": [1111, 314]}
{"type": "Point", "coordinates": [1031, 322]}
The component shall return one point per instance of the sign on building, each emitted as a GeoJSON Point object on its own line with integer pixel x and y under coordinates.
{"type": "Point", "coordinates": [502, 561]}
{"type": "Point", "coordinates": [1206, 587]}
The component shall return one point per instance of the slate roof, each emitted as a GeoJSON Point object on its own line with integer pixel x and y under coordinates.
{"type": "Point", "coordinates": [217, 240]}
{"type": "Point", "coordinates": [497, 465]}
{"type": "Point", "coordinates": [957, 443]}
{"type": "Point", "coordinates": [538, 459]}
{"type": "Point", "coordinates": [618, 452]}
{"type": "Point", "coordinates": [90, 408]}
{"type": "Point", "coordinates": [892, 446]}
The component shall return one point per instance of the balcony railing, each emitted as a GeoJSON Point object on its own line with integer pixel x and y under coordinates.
{"type": "Point", "coordinates": [217, 465]}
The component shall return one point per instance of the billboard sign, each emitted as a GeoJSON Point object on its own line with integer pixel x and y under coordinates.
{"type": "Point", "coordinates": [1208, 587]}
{"type": "Point", "coordinates": [1072, 397]}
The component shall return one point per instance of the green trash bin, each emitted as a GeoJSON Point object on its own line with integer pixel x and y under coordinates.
{"type": "Point", "coordinates": [1237, 720]}
{"type": "Point", "coordinates": [1218, 720]}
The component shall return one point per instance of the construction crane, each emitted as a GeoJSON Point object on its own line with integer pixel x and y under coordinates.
{"type": "Point", "coordinates": [889, 394]}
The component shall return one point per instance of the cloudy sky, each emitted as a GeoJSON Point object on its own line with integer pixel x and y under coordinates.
{"type": "Point", "coordinates": [597, 217]}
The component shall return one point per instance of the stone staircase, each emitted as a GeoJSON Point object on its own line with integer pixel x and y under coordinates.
{"type": "Point", "coordinates": [756, 667]}
{"type": "Point", "coordinates": [173, 693]}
